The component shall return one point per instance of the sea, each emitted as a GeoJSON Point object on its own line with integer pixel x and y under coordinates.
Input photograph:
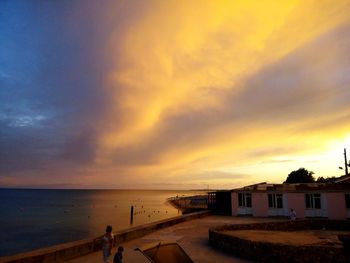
{"type": "Point", "coordinates": [36, 218]}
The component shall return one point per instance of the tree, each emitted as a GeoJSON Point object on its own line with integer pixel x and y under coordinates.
{"type": "Point", "coordinates": [300, 176]}
{"type": "Point", "coordinates": [326, 180]}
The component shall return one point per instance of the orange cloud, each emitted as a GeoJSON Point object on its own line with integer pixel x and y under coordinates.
{"type": "Point", "coordinates": [191, 79]}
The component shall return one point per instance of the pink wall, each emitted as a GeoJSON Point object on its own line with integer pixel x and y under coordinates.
{"type": "Point", "coordinates": [297, 202]}
{"type": "Point", "coordinates": [259, 204]}
{"type": "Point", "coordinates": [234, 203]}
{"type": "Point", "coordinates": [336, 205]}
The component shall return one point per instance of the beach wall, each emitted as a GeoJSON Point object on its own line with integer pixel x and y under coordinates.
{"type": "Point", "coordinates": [67, 251]}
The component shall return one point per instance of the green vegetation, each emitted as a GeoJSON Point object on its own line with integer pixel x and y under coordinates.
{"type": "Point", "coordinates": [300, 176]}
{"type": "Point", "coordinates": [326, 180]}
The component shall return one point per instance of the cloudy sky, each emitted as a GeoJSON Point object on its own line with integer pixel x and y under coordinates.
{"type": "Point", "coordinates": [172, 94]}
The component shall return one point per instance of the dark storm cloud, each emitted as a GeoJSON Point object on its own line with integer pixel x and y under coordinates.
{"type": "Point", "coordinates": [51, 95]}
{"type": "Point", "coordinates": [27, 148]}
{"type": "Point", "coordinates": [53, 62]}
{"type": "Point", "coordinates": [80, 148]}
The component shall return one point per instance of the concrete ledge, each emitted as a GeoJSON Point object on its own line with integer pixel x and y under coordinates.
{"type": "Point", "coordinates": [67, 251]}
{"type": "Point", "coordinates": [194, 203]}
{"type": "Point", "coordinates": [273, 252]}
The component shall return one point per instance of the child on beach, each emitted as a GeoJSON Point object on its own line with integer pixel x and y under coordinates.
{"type": "Point", "coordinates": [107, 244]}
{"type": "Point", "coordinates": [118, 257]}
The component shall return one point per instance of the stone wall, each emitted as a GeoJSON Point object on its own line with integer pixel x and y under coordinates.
{"type": "Point", "coordinates": [75, 249]}
{"type": "Point", "coordinates": [272, 252]}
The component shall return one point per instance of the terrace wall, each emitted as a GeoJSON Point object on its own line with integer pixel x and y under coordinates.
{"type": "Point", "coordinates": [278, 252]}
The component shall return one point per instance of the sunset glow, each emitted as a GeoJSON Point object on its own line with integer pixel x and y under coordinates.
{"type": "Point", "coordinates": [172, 94]}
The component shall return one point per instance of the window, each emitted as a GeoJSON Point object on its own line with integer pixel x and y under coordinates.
{"type": "Point", "coordinates": [279, 200]}
{"type": "Point", "coordinates": [347, 201]}
{"type": "Point", "coordinates": [275, 200]}
{"type": "Point", "coordinates": [240, 199]}
{"type": "Point", "coordinates": [313, 201]}
{"type": "Point", "coordinates": [248, 200]}
{"type": "Point", "coordinates": [244, 199]}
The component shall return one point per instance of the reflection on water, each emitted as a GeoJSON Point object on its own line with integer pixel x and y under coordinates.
{"type": "Point", "coordinates": [31, 219]}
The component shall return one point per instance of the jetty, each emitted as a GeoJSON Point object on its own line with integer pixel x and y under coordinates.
{"type": "Point", "coordinates": [189, 204]}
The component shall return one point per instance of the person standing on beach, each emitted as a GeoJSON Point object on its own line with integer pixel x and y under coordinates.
{"type": "Point", "coordinates": [107, 244]}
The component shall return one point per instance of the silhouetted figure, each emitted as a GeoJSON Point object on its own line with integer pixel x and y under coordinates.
{"type": "Point", "coordinates": [107, 244]}
{"type": "Point", "coordinates": [118, 257]}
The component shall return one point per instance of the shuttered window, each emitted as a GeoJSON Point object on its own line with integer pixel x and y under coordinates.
{"type": "Point", "coordinates": [313, 201]}
{"type": "Point", "coordinates": [244, 199]}
{"type": "Point", "coordinates": [275, 200]}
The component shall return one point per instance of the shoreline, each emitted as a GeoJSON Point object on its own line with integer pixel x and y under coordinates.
{"type": "Point", "coordinates": [71, 250]}
{"type": "Point", "coordinates": [44, 218]}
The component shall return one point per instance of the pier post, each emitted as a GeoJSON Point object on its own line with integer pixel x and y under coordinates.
{"type": "Point", "coordinates": [131, 215]}
{"type": "Point", "coordinates": [346, 163]}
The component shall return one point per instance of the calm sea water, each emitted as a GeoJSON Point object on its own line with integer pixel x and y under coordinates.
{"type": "Point", "coordinates": [32, 219]}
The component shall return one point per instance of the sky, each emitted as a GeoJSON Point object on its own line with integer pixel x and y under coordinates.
{"type": "Point", "coordinates": [172, 94]}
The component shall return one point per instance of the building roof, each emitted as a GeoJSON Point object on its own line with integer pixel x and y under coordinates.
{"type": "Point", "coordinates": [343, 179]}
{"type": "Point", "coordinates": [300, 187]}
